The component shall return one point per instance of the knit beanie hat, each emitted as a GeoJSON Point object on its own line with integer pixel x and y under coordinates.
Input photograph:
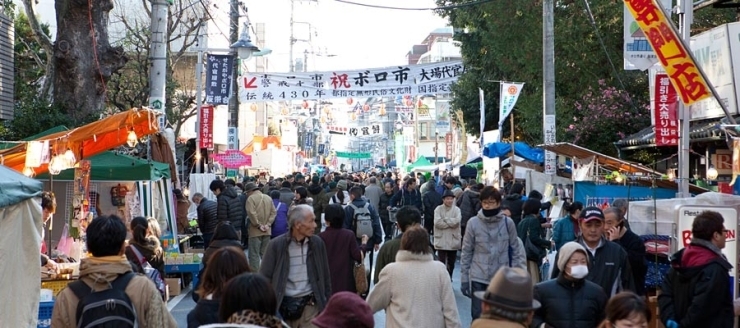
{"type": "Point", "coordinates": [332, 185]}
{"type": "Point", "coordinates": [567, 251]}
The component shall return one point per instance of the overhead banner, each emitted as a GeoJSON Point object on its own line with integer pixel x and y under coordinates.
{"type": "Point", "coordinates": [205, 127]}
{"type": "Point", "coordinates": [342, 154]}
{"type": "Point", "coordinates": [509, 95]}
{"type": "Point", "coordinates": [233, 159]}
{"type": "Point", "coordinates": [666, 112]}
{"type": "Point", "coordinates": [218, 79]}
{"type": "Point", "coordinates": [434, 78]}
{"type": "Point", "coordinates": [670, 50]}
{"type": "Point", "coordinates": [359, 131]}
{"type": "Point", "coordinates": [638, 54]}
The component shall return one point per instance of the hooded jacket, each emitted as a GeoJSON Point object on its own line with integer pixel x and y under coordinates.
{"type": "Point", "coordinates": [286, 196]}
{"type": "Point", "coordinates": [207, 216]}
{"type": "Point", "coordinates": [696, 292]}
{"type": "Point", "coordinates": [151, 251]}
{"type": "Point", "coordinates": [566, 303]}
{"type": "Point", "coordinates": [515, 203]}
{"type": "Point", "coordinates": [230, 208]}
{"type": "Point", "coordinates": [469, 204]}
{"type": "Point", "coordinates": [99, 272]}
{"type": "Point", "coordinates": [486, 248]}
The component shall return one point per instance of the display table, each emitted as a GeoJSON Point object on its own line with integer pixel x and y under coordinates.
{"type": "Point", "coordinates": [182, 269]}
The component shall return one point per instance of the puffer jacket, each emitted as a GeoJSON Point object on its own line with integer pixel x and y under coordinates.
{"type": "Point", "coordinates": [230, 208]}
{"type": "Point", "coordinates": [320, 202]}
{"type": "Point", "coordinates": [469, 204]}
{"type": "Point", "coordinates": [515, 203]}
{"type": "Point", "coordinates": [486, 248]}
{"type": "Point", "coordinates": [572, 304]}
{"type": "Point", "coordinates": [207, 216]}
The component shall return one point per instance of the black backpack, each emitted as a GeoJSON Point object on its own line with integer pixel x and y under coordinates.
{"type": "Point", "coordinates": [108, 308]}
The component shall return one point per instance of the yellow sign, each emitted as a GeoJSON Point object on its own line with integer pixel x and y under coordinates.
{"type": "Point", "coordinates": [674, 57]}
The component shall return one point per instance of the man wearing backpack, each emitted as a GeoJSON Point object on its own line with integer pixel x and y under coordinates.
{"type": "Point", "coordinates": [106, 278]}
{"type": "Point", "coordinates": [357, 213]}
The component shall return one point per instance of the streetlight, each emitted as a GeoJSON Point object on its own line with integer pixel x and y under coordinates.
{"type": "Point", "coordinates": [244, 46]}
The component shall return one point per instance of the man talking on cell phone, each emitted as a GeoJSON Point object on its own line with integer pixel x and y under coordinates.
{"type": "Point", "coordinates": [615, 230]}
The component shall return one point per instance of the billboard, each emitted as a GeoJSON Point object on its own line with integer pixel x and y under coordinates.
{"type": "Point", "coordinates": [713, 54]}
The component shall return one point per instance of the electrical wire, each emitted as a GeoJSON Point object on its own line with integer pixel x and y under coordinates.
{"type": "Point", "coordinates": [460, 5]}
{"type": "Point", "coordinates": [95, 47]}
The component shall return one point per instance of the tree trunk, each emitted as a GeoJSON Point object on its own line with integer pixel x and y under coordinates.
{"type": "Point", "coordinates": [83, 57]}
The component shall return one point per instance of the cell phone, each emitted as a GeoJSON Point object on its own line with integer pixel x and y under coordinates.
{"type": "Point", "coordinates": [621, 224]}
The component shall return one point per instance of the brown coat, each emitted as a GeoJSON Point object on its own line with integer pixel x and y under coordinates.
{"type": "Point", "coordinates": [98, 272]}
{"type": "Point", "coordinates": [261, 211]}
{"type": "Point", "coordinates": [182, 215]}
{"type": "Point", "coordinates": [162, 152]}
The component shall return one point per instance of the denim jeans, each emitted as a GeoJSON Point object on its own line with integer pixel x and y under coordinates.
{"type": "Point", "coordinates": [475, 306]}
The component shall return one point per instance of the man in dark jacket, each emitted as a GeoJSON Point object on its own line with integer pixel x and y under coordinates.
{"type": "Point", "coordinates": [617, 232]}
{"type": "Point", "coordinates": [320, 201]}
{"type": "Point", "coordinates": [286, 193]}
{"type": "Point", "coordinates": [407, 195]}
{"type": "Point", "coordinates": [515, 202]}
{"type": "Point", "coordinates": [610, 267]}
{"type": "Point", "coordinates": [385, 220]}
{"type": "Point", "coordinates": [207, 217]}
{"type": "Point", "coordinates": [229, 206]}
{"type": "Point", "coordinates": [373, 244]}
{"type": "Point", "coordinates": [469, 204]}
{"type": "Point", "coordinates": [697, 291]}
{"type": "Point", "coordinates": [430, 200]}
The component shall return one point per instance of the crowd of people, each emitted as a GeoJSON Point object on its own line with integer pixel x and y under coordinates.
{"type": "Point", "coordinates": [306, 237]}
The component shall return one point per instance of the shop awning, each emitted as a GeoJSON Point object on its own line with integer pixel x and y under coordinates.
{"type": "Point", "coordinates": [111, 166]}
{"type": "Point", "coordinates": [705, 130]}
{"type": "Point", "coordinates": [615, 164]}
{"type": "Point", "coordinates": [90, 139]}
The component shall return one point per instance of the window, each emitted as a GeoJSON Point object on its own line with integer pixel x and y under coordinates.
{"type": "Point", "coordinates": [423, 131]}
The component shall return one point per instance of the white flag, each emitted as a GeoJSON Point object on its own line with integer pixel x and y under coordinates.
{"type": "Point", "coordinates": [482, 99]}
{"type": "Point", "coordinates": [509, 94]}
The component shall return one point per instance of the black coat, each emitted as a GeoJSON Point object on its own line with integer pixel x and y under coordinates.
{"type": "Point", "coordinates": [708, 303]}
{"type": "Point", "coordinates": [609, 268]}
{"type": "Point", "coordinates": [632, 243]}
{"type": "Point", "coordinates": [204, 313]}
{"type": "Point", "coordinates": [430, 200]}
{"type": "Point", "coordinates": [515, 203]}
{"type": "Point", "coordinates": [207, 216]}
{"type": "Point", "coordinates": [572, 304]}
{"type": "Point", "coordinates": [230, 208]}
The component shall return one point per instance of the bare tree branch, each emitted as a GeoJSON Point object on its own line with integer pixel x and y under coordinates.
{"type": "Point", "coordinates": [45, 43]}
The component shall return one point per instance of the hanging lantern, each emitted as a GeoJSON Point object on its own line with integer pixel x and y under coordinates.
{"type": "Point", "coordinates": [253, 107]}
{"type": "Point", "coordinates": [55, 165]}
{"type": "Point", "coordinates": [327, 109]}
{"type": "Point", "coordinates": [382, 110]}
{"type": "Point", "coordinates": [284, 111]}
{"type": "Point", "coordinates": [69, 157]}
{"type": "Point", "coordinates": [353, 116]}
{"type": "Point", "coordinates": [322, 119]}
{"type": "Point", "coordinates": [419, 103]}
{"type": "Point", "coordinates": [409, 102]}
{"type": "Point", "coordinates": [305, 104]}
{"type": "Point", "coordinates": [132, 139]}
{"type": "Point", "coordinates": [406, 97]}
{"type": "Point", "coordinates": [350, 101]}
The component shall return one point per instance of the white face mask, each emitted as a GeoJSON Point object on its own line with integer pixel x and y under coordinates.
{"type": "Point", "coordinates": [579, 271]}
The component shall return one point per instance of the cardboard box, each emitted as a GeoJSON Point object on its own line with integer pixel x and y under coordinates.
{"type": "Point", "coordinates": [173, 284]}
{"type": "Point", "coordinates": [196, 251]}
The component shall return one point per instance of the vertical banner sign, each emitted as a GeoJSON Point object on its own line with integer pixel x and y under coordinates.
{"type": "Point", "coordinates": [205, 128]}
{"type": "Point", "coordinates": [481, 98]}
{"type": "Point", "coordinates": [686, 215]}
{"type": "Point", "coordinates": [638, 54]}
{"type": "Point", "coordinates": [448, 145]}
{"type": "Point", "coordinates": [670, 50]}
{"type": "Point", "coordinates": [80, 200]}
{"type": "Point", "coordinates": [219, 70]}
{"type": "Point", "coordinates": [666, 112]}
{"type": "Point", "coordinates": [232, 139]}
{"type": "Point", "coordinates": [509, 95]}
{"type": "Point", "coordinates": [551, 165]}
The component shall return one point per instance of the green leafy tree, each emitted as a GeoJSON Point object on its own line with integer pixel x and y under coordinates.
{"type": "Point", "coordinates": [502, 41]}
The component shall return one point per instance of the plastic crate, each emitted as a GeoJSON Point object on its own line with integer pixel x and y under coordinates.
{"type": "Point", "coordinates": [45, 310]}
{"type": "Point", "coordinates": [55, 285]}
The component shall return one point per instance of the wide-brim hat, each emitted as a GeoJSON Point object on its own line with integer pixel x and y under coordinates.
{"type": "Point", "coordinates": [250, 186]}
{"type": "Point", "coordinates": [511, 289]}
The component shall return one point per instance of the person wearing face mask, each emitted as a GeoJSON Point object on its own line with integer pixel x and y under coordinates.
{"type": "Point", "coordinates": [570, 300]}
{"type": "Point", "coordinates": [490, 242]}
{"type": "Point", "coordinates": [610, 267]}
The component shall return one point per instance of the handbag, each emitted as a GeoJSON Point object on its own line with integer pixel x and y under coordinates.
{"type": "Point", "coordinates": [151, 273]}
{"type": "Point", "coordinates": [360, 275]}
{"type": "Point", "coordinates": [534, 253]}
{"type": "Point", "coordinates": [291, 308]}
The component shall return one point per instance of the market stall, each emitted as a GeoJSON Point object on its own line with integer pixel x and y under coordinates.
{"type": "Point", "coordinates": [20, 246]}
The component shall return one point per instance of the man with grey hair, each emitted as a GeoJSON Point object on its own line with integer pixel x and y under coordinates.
{"type": "Point", "coordinates": [207, 217]}
{"type": "Point", "coordinates": [298, 268]}
{"type": "Point", "coordinates": [373, 192]}
{"type": "Point", "coordinates": [623, 205]}
{"type": "Point", "coordinates": [508, 301]}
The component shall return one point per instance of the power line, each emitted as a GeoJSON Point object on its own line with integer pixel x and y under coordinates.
{"type": "Point", "coordinates": [460, 5]}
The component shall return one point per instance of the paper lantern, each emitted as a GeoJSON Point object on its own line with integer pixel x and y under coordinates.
{"type": "Point", "coordinates": [327, 109]}
{"type": "Point", "coordinates": [350, 101]}
{"type": "Point", "coordinates": [284, 111]}
{"type": "Point", "coordinates": [382, 110]}
{"type": "Point", "coordinates": [407, 97]}
{"type": "Point", "coordinates": [322, 119]}
{"type": "Point", "coordinates": [366, 108]}
{"type": "Point", "coordinates": [253, 107]}
{"type": "Point", "coordinates": [304, 104]}
{"type": "Point", "coordinates": [409, 102]}
{"type": "Point", "coordinates": [419, 103]}
{"type": "Point", "coordinates": [353, 116]}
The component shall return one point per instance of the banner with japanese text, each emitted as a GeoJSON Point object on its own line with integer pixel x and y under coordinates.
{"type": "Point", "coordinates": [218, 79]}
{"type": "Point", "coordinates": [357, 131]}
{"type": "Point", "coordinates": [666, 112]}
{"type": "Point", "coordinates": [509, 95]}
{"type": "Point", "coordinates": [205, 127]}
{"type": "Point", "coordinates": [434, 78]}
{"type": "Point", "coordinates": [670, 50]}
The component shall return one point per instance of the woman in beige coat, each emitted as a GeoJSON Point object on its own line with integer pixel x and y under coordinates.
{"type": "Point", "coordinates": [415, 291]}
{"type": "Point", "coordinates": [447, 237]}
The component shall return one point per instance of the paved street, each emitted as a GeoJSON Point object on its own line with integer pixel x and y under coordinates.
{"type": "Point", "coordinates": [182, 304]}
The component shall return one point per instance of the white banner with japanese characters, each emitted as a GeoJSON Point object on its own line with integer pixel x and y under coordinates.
{"type": "Point", "coordinates": [434, 78]}
{"type": "Point", "coordinates": [357, 131]}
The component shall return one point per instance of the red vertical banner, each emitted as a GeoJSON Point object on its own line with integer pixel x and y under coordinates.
{"type": "Point", "coordinates": [666, 112]}
{"type": "Point", "coordinates": [205, 127]}
{"type": "Point", "coordinates": [448, 145]}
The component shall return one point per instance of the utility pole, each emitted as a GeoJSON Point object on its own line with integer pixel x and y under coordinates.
{"type": "Point", "coordinates": [158, 57]}
{"type": "Point", "coordinates": [234, 98]}
{"type": "Point", "coordinates": [198, 101]}
{"type": "Point", "coordinates": [686, 17]}
{"type": "Point", "coordinates": [548, 97]}
{"type": "Point", "coordinates": [292, 36]}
